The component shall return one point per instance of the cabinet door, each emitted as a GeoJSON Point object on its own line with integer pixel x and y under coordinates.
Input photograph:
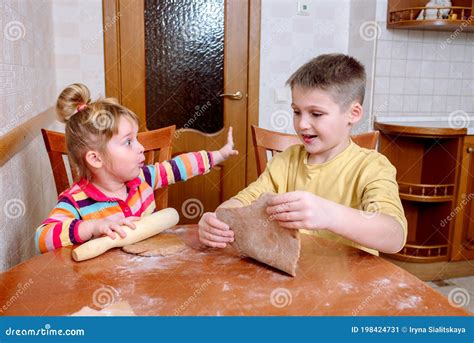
{"type": "Point", "coordinates": [463, 238]}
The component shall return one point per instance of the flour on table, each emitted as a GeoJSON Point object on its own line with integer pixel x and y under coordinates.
{"type": "Point", "coordinates": [411, 302]}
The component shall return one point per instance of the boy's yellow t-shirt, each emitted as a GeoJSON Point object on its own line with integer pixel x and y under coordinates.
{"type": "Point", "coordinates": [359, 178]}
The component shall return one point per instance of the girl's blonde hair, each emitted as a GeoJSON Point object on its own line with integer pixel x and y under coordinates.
{"type": "Point", "coordinates": [89, 125]}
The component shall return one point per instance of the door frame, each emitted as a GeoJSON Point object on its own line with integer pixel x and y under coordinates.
{"type": "Point", "coordinates": [126, 84]}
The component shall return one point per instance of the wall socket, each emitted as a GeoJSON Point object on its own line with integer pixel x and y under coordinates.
{"type": "Point", "coordinates": [303, 7]}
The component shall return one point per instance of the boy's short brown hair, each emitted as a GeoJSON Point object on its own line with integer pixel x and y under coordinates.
{"type": "Point", "coordinates": [341, 75]}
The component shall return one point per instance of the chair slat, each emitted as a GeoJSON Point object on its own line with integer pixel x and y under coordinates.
{"type": "Point", "coordinates": [266, 140]}
{"type": "Point", "coordinates": [158, 141]}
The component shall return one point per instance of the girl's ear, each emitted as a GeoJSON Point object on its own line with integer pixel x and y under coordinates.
{"type": "Point", "coordinates": [94, 159]}
{"type": "Point", "coordinates": [356, 113]}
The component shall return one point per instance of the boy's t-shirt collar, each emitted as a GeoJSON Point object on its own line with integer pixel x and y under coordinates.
{"type": "Point", "coordinates": [338, 156]}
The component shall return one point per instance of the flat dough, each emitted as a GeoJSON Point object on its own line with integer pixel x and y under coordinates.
{"type": "Point", "coordinates": [159, 245]}
{"type": "Point", "coordinates": [259, 237]}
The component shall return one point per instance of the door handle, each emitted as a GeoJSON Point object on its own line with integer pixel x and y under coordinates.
{"type": "Point", "coordinates": [236, 96]}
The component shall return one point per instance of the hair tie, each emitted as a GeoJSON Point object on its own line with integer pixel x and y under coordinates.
{"type": "Point", "coordinates": [80, 108]}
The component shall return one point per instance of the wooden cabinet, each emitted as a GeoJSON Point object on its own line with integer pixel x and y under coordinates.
{"type": "Point", "coordinates": [463, 237]}
{"type": "Point", "coordinates": [403, 14]}
{"type": "Point", "coordinates": [428, 163]}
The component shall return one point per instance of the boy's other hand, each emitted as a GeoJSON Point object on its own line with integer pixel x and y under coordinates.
{"type": "Point", "coordinates": [300, 210]}
{"type": "Point", "coordinates": [213, 232]}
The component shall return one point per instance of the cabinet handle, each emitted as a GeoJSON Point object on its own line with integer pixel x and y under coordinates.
{"type": "Point", "coordinates": [470, 149]}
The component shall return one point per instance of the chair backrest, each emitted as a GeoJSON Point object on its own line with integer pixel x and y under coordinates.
{"type": "Point", "coordinates": [274, 142]}
{"type": "Point", "coordinates": [157, 145]}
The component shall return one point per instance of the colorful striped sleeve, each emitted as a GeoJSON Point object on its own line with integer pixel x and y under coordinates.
{"type": "Point", "coordinates": [60, 228]}
{"type": "Point", "coordinates": [180, 168]}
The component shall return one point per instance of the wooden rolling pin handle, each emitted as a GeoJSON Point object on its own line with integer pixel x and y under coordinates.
{"type": "Point", "coordinates": [146, 227]}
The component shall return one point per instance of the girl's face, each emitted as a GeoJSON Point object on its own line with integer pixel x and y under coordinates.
{"type": "Point", "coordinates": [125, 154]}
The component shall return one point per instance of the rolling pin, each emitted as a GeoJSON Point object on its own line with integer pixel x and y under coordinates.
{"type": "Point", "coordinates": [146, 227]}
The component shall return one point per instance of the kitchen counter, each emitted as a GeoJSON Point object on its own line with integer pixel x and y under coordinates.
{"type": "Point", "coordinates": [455, 122]}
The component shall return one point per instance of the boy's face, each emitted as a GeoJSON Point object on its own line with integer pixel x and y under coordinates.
{"type": "Point", "coordinates": [321, 124]}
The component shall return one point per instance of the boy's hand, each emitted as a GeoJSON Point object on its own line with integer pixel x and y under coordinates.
{"type": "Point", "coordinates": [300, 210]}
{"type": "Point", "coordinates": [99, 227]}
{"type": "Point", "coordinates": [227, 150]}
{"type": "Point", "coordinates": [213, 232]}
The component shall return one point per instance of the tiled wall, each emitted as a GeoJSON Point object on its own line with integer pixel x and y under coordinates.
{"type": "Point", "coordinates": [288, 41]}
{"type": "Point", "coordinates": [79, 45]}
{"type": "Point", "coordinates": [27, 87]}
{"type": "Point", "coordinates": [422, 73]}
{"type": "Point", "coordinates": [39, 55]}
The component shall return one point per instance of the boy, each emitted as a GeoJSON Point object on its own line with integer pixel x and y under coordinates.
{"type": "Point", "coordinates": [328, 186]}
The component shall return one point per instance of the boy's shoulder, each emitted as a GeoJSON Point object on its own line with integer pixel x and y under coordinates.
{"type": "Point", "coordinates": [293, 151]}
{"type": "Point", "coordinates": [369, 156]}
{"type": "Point", "coordinates": [371, 164]}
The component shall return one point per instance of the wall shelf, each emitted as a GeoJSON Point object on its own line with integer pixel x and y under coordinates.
{"type": "Point", "coordinates": [403, 14]}
{"type": "Point", "coordinates": [424, 253]}
{"type": "Point", "coordinates": [426, 193]}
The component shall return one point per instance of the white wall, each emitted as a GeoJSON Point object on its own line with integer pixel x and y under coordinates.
{"type": "Point", "coordinates": [288, 41]}
{"type": "Point", "coordinates": [42, 45]}
{"type": "Point", "coordinates": [79, 44]}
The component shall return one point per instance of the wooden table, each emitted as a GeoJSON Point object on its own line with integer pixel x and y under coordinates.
{"type": "Point", "coordinates": [332, 279]}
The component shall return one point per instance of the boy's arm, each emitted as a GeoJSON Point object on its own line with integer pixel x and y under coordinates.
{"type": "Point", "coordinates": [380, 224]}
{"type": "Point", "coordinates": [374, 230]}
{"type": "Point", "coordinates": [304, 210]}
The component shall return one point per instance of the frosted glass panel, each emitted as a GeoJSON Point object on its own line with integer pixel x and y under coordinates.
{"type": "Point", "coordinates": [184, 63]}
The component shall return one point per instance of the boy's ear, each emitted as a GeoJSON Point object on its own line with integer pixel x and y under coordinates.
{"type": "Point", "coordinates": [94, 159]}
{"type": "Point", "coordinates": [356, 113]}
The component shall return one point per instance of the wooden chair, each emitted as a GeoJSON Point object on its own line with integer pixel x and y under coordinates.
{"type": "Point", "coordinates": [157, 145]}
{"type": "Point", "coordinates": [274, 142]}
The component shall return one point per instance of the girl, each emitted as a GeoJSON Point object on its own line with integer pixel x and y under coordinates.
{"type": "Point", "coordinates": [115, 187]}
